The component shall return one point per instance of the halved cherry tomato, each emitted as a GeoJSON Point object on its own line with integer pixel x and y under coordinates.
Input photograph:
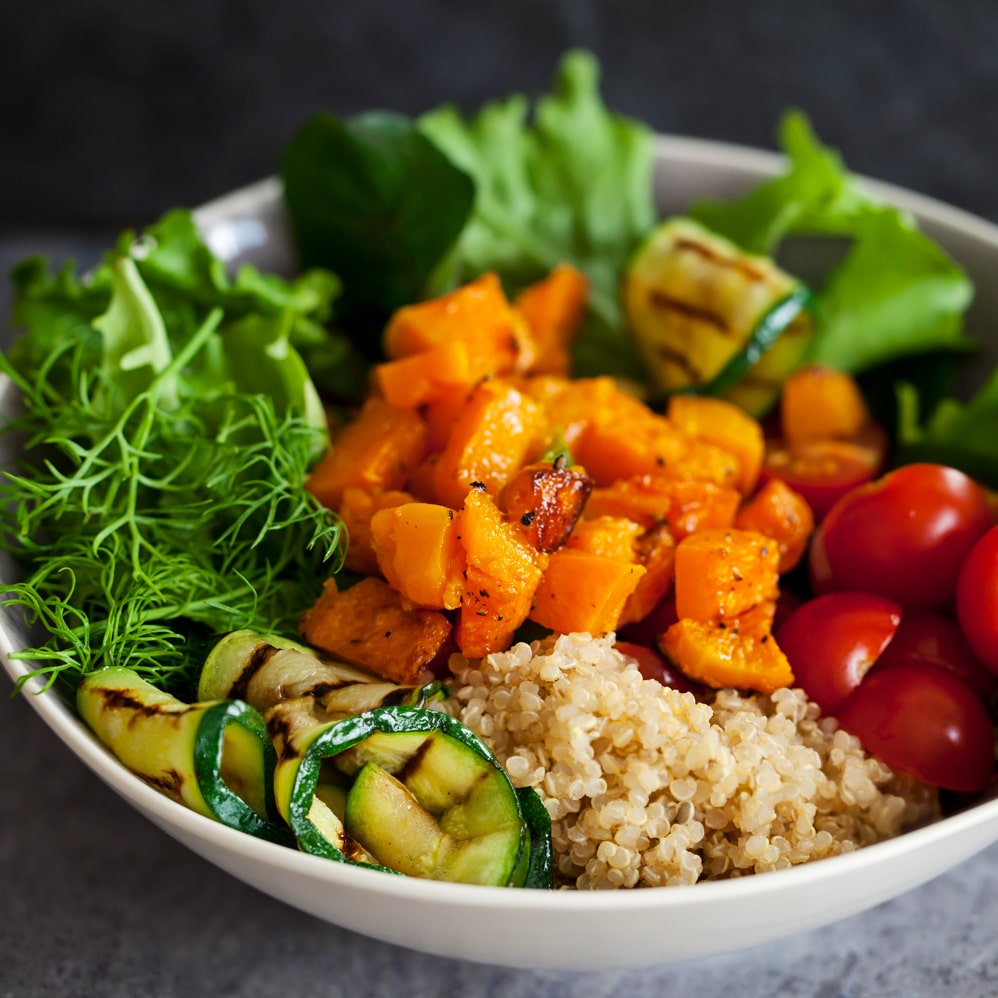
{"type": "Point", "coordinates": [924, 722]}
{"type": "Point", "coordinates": [903, 536]}
{"type": "Point", "coordinates": [823, 471]}
{"type": "Point", "coordinates": [977, 598]}
{"type": "Point", "coordinates": [652, 666]}
{"type": "Point", "coordinates": [938, 640]}
{"type": "Point", "coordinates": [832, 641]}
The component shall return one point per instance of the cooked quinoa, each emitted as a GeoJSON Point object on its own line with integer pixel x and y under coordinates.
{"type": "Point", "coordinates": [646, 786]}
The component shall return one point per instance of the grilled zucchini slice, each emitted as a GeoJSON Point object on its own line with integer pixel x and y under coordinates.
{"type": "Point", "coordinates": [708, 317]}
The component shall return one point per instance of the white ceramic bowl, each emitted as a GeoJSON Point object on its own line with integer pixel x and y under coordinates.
{"type": "Point", "coordinates": [572, 930]}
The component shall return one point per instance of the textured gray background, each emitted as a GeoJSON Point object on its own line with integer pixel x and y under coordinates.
{"type": "Point", "coordinates": [111, 112]}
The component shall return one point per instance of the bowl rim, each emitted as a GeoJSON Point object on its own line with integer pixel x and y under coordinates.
{"type": "Point", "coordinates": [251, 199]}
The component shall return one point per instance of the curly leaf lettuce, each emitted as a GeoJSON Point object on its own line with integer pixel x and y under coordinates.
{"type": "Point", "coordinates": [574, 184]}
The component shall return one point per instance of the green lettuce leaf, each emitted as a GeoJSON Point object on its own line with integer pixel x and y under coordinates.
{"type": "Point", "coordinates": [961, 435]}
{"type": "Point", "coordinates": [139, 311]}
{"type": "Point", "coordinates": [894, 293]}
{"type": "Point", "coordinates": [574, 184]}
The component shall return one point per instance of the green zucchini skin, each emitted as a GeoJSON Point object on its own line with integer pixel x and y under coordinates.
{"type": "Point", "coordinates": [302, 748]}
{"type": "Point", "coordinates": [187, 751]}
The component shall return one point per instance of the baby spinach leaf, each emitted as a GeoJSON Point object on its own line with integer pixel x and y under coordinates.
{"type": "Point", "coordinates": [375, 201]}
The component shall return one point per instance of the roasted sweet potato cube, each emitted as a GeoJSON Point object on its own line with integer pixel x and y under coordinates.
{"type": "Point", "coordinates": [376, 452]}
{"type": "Point", "coordinates": [656, 552]}
{"type": "Point", "coordinates": [584, 592]}
{"type": "Point", "coordinates": [553, 308]}
{"type": "Point", "coordinates": [724, 425]}
{"type": "Point", "coordinates": [477, 314]}
{"type": "Point", "coordinates": [721, 574]}
{"type": "Point", "coordinates": [819, 403]}
{"type": "Point", "coordinates": [368, 626]}
{"type": "Point", "coordinates": [741, 652]}
{"type": "Point", "coordinates": [502, 575]}
{"type": "Point", "coordinates": [424, 377]}
{"type": "Point", "coordinates": [685, 506]}
{"type": "Point", "coordinates": [782, 514]}
{"type": "Point", "coordinates": [497, 429]}
{"type": "Point", "coordinates": [356, 509]}
{"type": "Point", "coordinates": [547, 499]}
{"type": "Point", "coordinates": [419, 553]}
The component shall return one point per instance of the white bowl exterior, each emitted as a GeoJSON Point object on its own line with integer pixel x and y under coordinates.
{"type": "Point", "coordinates": [566, 930]}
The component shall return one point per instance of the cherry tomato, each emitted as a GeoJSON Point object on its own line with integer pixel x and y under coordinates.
{"type": "Point", "coordinates": [938, 640]}
{"type": "Point", "coordinates": [832, 641]}
{"type": "Point", "coordinates": [903, 536]}
{"type": "Point", "coordinates": [823, 471]}
{"type": "Point", "coordinates": [977, 599]}
{"type": "Point", "coordinates": [923, 721]}
{"type": "Point", "coordinates": [652, 666]}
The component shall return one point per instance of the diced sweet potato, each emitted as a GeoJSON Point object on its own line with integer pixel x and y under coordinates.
{"type": "Point", "coordinates": [356, 509]}
{"type": "Point", "coordinates": [497, 429]}
{"type": "Point", "coordinates": [584, 592]}
{"type": "Point", "coordinates": [572, 406]}
{"type": "Point", "coordinates": [819, 403]}
{"type": "Point", "coordinates": [477, 314]}
{"type": "Point", "coordinates": [723, 573]}
{"type": "Point", "coordinates": [376, 452]}
{"type": "Point", "coordinates": [685, 506]}
{"type": "Point", "coordinates": [553, 308]}
{"type": "Point", "coordinates": [425, 377]}
{"type": "Point", "coordinates": [547, 499]}
{"type": "Point", "coordinates": [724, 425]}
{"type": "Point", "coordinates": [781, 514]}
{"type": "Point", "coordinates": [368, 626]}
{"type": "Point", "coordinates": [608, 537]}
{"type": "Point", "coordinates": [641, 445]}
{"type": "Point", "coordinates": [741, 653]}
{"type": "Point", "coordinates": [502, 576]}
{"type": "Point", "coordinates": [419, 553]}
{"type": "Point", "coordinates": [656, 552]}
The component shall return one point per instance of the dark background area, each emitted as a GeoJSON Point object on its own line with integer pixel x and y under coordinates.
{"type": "Point", "coordinates": [114, 111]}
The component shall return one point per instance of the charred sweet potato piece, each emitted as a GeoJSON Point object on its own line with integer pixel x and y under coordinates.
{"type": "Point", "coordinates": [376, 452]}
{"type": "Point", "coordinates": [782, 514]}
{"type": "Point", "coordinates": [723, 424]}
{"type": "Point", "coordinates": [741, 652]}
{"type": "Point", "coordinates": [721, 574]}
{"type": "Point", "coordinates": [477, 314]}
{"type": "Point", "coordinates": [584, 592]}
{"type": "Point", "coordinates": [685, 506]}
{"type": "Point", "coordinates": [553, 308]}
{"type": "Point", "coordinates": [356, 509]}
{"type": "Point", "coordinates": [419, 553]}
{"type": "Point", "coordinates": [368, 626]}
{"type": "Point", "coordinates": [495, 431]}
{"type": "Point", "coordinates": [502, 575]}
{"type": "Point", "coordinates": [547, 499]}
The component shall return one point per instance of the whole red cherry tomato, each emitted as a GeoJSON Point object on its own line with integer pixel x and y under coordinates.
{"type": "Point", "coordinates": [938, 640]}
{"type": "Point", "coordinates": [923, 721]}
{"type": "Point", "coordinates": [903, 536]}
{"type": "Point", "coordinates": [977, 599]}
{"type": "Point", "coordinates": [832, 641]}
